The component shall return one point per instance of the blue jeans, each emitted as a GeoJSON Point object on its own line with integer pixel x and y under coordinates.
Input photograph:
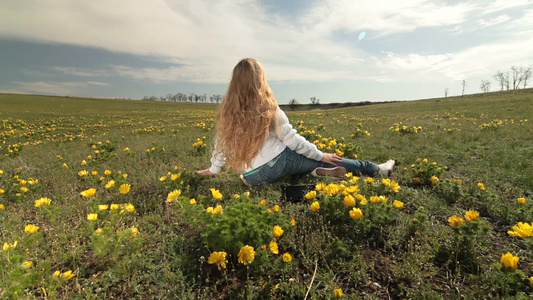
{"type": "Point", "coordinates": [289, 162]}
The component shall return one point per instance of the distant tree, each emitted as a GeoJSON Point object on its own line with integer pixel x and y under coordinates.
{"type": "Point", "coordinates": [526, 75]}
{"type": "Point", "coordinates": [463, 84]}
{"type": "Point", "coordinates": [446, 93]}
{"type": "Point", "coordinates": [485, 86]}
{"type": "Point", "coordinates": [516, 76]}
{"type": "Point", "coordinates": [191, 97]}
{"type": "Point", "coordinates": [314, 100]}
{"type": "Point", "coordinates": [293, 103]}
{"type": "Point", "coordinates": [506, 80]}
{"type": "Point", "coordinates": [162, 98]}
{"type": "Point", "coordinates": [500, 78]}
{"type": "Point", "coordinates": [150, 98]}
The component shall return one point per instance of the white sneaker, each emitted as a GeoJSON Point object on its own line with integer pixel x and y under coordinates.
{"type": "Point", "coordinates": [386, 168]}
{"type": "Point", "coordinates": [337, 172]}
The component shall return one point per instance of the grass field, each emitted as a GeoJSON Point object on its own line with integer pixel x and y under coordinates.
{"type": "Point", "coordinates": [150, 229]}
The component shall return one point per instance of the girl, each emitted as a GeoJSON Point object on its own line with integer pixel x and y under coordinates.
{"type": "Point", "coordinates": [253, 137]}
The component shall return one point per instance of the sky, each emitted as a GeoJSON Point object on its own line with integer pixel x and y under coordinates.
{"type": "Point", "coordinates": [334, 50]}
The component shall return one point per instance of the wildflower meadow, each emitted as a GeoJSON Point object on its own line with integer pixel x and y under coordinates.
{"type": "Point", "coordinates": [99, 200]}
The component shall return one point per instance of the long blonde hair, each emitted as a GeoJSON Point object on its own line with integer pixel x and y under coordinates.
{"type": "Point", "coordinates": [245, 115]}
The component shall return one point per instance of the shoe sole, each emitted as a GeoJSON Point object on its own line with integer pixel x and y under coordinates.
{"type": "Point", "coordinates": [337, 172]}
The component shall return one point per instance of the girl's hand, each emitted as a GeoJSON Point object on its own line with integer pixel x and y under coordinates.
{"type": "Point", "coordinates": [331, 158]}
{"type": "Point", "coordinates": [205, 172]}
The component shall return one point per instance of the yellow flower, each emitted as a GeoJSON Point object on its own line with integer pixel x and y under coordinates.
{"type": "Point", "coordinates": [217, 210]}
{"type": "Point", "coordinates": [126, 149]}
{"type": "Point", "coordinates": [509, 261]}
{"type": "Point", "coordinates": [103, 207]}
{"type": "Point", "coordinates": [293, 222]}
{"type": "Point", "coordinates": [356, 213]}
{"type": "Point", "coordinates": [88, 193]}
{"type": "Point", "coordinates": [531, 281]}
{"type": "Point", "coordinates": [434, 179]}
{"type": "Point", "coordinates": [481, 186]}
{"type": "Point", "coordinates": [83, 163]}
{"type": "Point", "coordinates": [9, 246]}
{"type": "Point", "coordinates": [30, 228]}
{"type": "Point", "coordinates": [262, 202]}
{"type": "Point", "coordinates": [27, 264]}
{"type": "Point", "coordinates": [337, 293]}
{"type": "Point", "coordinates": [456, 221]}
{"type": "Point", "coordinates": [236, 196]}
{"type": "Point", "coordinates": [94, 173]}
{"type": "Point", "coordinates": [42, 201]}
{"type": "Point", "coordinates": [287, 257]}
{"type": "Point", "coordinates": [471, 215]}
{"type": "Point", "coordinates": [83, 173]}
{"type": "Point", "coordinates": [246, 194]}
{"type": "Point", "coordinates": [110, 184]}
{"type": "Point", "coordinates": [24, 189]}
{"type": "Point", "coordinates": [108, 172]}
{"type": "Point", "coordinates": [320, 186]}
{"type": "Point", "coordinates": [315, 206]}
{"type": "Point", "coordinates": [310, 195]}
{"type": "Point", "coordinates": [349, 200]}
{"type": "Point", "coordinates": [66, 275]}
{"type": "Point", "coordinates": [216, 193]}
{"type": "Point", "coordinates": [2, 207]}
{"type": "Point", "coordinates": [397, 204]}
{"type": "Point", "coordinates": [173, 195]}
{"type": "Point", "coordinates": [522, 230]}
{"type": "Point", "coordinates": [246, 255]}
{"type": "Point", "coordinates": [192, 201]}
{"type": "Point", "coordinates": [521, 200]}
{"type": "Point", "coordinates": [369, 180]}
{"type": "Point", "coordinates": [92, 217]}
{"type": "Point", "coordinates": [65, 165]}
{"type": "Point", "coordinates": [395, 187]}
{"type": "Point", "coordinates": [114, 207]}
{"type": "Point", "coordinates": [218, 258]}
{"type": "Point", "coordinates": [275, 208]}
{"type": "Point", "coordinates": [273, 246]}
{"type": "Point", "coordinates": [129, 207]}
{"type": "Point", "coordinates": [98, 230]}
{"type": "Point", "coordinates": [277, 231]}
{"type": "Point", "coordinates": [209, 210]}
{"type": "Point", "coordinates": [134, 231]}
{"type": "Point", "coordinates": [124, 188]}
{"type": "Point", "coordinates": [2, 191]}
{"type": "Point", "coordinates": [163, 178]}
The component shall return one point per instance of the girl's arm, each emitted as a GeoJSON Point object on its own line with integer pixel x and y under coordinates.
{"type": "Point", "coordinates": [218, 160]}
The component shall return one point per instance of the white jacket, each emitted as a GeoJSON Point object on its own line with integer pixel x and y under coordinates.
{"type": "Point", "coordinates": [282, 135]}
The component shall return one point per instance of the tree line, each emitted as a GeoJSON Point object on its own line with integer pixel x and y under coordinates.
{"type": "Point", "coordinates": [517, 77]}
{"type": "Point", "coordinates": [182, 97]}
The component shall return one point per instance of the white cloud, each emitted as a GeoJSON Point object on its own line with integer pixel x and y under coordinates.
{"type": "Point", "coordinates": [53, 88]}
{"type": "Point", "coordinates": [80, 72]}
